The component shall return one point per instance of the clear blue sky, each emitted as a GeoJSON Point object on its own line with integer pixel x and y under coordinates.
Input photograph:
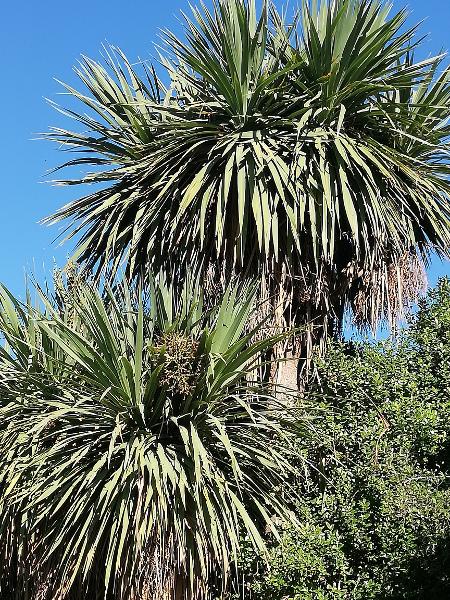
{"type": "Point", "coordinates": [43, 40]}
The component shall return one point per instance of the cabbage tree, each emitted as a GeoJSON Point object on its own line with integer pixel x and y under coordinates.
{"type": "Point", "coordinates": [310, 152]}
{"type": "Point", "coordinates": [136, 451]}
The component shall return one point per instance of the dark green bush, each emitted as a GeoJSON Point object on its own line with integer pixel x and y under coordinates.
{"type": "Point", "coordinates": [375, 508]}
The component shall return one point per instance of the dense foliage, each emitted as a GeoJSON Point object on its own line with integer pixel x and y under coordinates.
{"type": "Point", "coordinates": [134, 445]}
{"type": "Point", "coordinates": [277, 173]}
{"type": "Point", "coordinates": [308, 152]}
{"type": "Point", "coordinates": [376, 514]}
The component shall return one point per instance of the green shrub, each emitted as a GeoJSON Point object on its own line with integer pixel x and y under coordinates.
{"type": "Point", "coordinates": [375, 509]}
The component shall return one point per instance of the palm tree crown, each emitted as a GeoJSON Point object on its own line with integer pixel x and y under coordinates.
{"type": "Point", "coordinates": [135, 448]}
{"type": "Point", "coordinates": [313, 154]}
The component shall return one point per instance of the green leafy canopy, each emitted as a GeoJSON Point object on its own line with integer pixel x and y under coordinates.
{"type": "Point", "coordinates": [135, 447]}
{"type": "Point", "coordinates": [314, 151]}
